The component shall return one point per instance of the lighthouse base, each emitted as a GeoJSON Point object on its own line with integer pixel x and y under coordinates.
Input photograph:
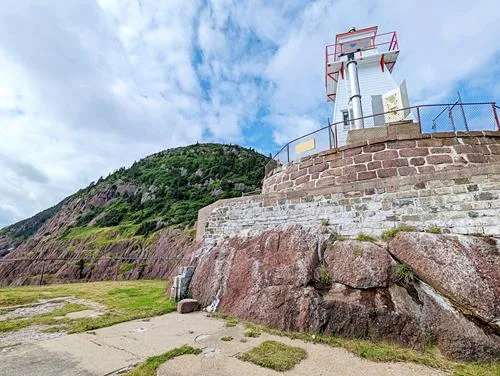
{"type": "Point", "coordinates": [403, 129]}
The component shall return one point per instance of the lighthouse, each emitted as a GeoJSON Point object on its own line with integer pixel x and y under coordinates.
{"type": "Point", "coordinates": [360, 83]}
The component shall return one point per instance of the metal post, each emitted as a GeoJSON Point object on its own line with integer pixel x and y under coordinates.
{"type": "Point", "coordinates": [43, 272]}
{"type": "Point", "coordinates": [357, 110]}
{"type": "Point", "coordinates": [419, 121]}
{"type": "Point", "coordinates": [495, 115]}
{"type": "Point", "coordinates": [336, 139]}
{"type": "Point", "coordinates": [463, 112]}
{"type": "Point", "coordinates": [450, 115]}
{"type": "Point", "coordinates": [288, 153]}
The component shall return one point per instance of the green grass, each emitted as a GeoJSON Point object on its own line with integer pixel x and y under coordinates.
{"type": "Point", "coordinates": [275, 355]}
{"type": "Point", "coordinates": [433, 230]}
{"type": "Point", "coordinates": [323, 275]}
{"type": "Point", "coordinates": [227, 338]}
{"type": "Point", "coordinates": [389, 234]}
{"type": "Point", "coordinates": [149, 367]}
{"type": "Point", "coordinates": [41, 319]}
{"type": "Point", "coordinates": [252, 333]}
{"type": "Point", "coordinates": [382, 351]}
{"type": "Point", "coordinates": [101, 237]}
{"type": "Point", "coordinates": [365, 238]}
{"type": "Point", "coordinates": [125, 301]}
{"type": "Point", "coordinates": [404, 273]}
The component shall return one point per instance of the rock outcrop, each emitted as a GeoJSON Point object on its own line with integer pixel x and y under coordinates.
{"type": "Point", "coordinates": [272, 278]}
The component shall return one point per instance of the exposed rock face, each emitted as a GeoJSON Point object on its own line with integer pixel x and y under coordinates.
{"type": "Point", "coordinates": [270, 279]}
{"type": "Point", "coordinates": [464, 268]}
{"type": "Point", "coordinates": [359, 264]}
{"type": "Point", "coordinates": [263, 279]}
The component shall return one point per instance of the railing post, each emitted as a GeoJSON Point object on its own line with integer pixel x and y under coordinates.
{"type": "Point", "coordinates": [419, 121]}
{"type": "Point", "coordinates": [288, 153]}
{"type": "Point", "coordinates": [450, 115]}
{"type": "Point", "coordinates": [43, 272]}
{"type": "Point", "coordinates": [336, 139]}
{"type": "Point", "coordinates": [493, 105]}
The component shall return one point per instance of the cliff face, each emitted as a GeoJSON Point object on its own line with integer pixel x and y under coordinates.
{"type": "Point", "coordinates": [144, 212]}
{"type": "Point", "coordinates": [417, 289]}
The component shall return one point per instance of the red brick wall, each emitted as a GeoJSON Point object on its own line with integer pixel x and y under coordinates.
{"type": "Point", "coordinates": [385, 158]}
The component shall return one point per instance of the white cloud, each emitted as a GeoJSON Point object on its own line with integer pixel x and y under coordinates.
{"type": "Point", "coordinates": [87, 87]}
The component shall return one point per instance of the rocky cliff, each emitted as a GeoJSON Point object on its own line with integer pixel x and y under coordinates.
{"type": "Point", "coordinates": [136, 223]}
{"type": "Point", "coordinates": [418, 289]}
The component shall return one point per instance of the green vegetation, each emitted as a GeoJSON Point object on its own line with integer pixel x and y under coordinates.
{"type": "Point", "coordinates": [389, 234]}
{"type": "Point", "coordinates": [127, 300]}
{"type": "Point", "coordinates": [275, 355]}
{"type": "Point", "coordinates": [323, 275]}
{"type": "Point", "coordinates": [382, 351]}
{"type": "Point", "coordinates": [404, 274]}
{"type": "Point", "coordinates": [227, 338]}
{"type": "Point", "coordinates": [252, 333]}
{"type": "Point", "coordinates": [231, 322]}
{"type": "Point", "coordinates": [175, 184]}
{"type": "Point", "coordinates": [41, 319]}
{"type": "Point", "coordinates": [149, 367]}
{"type": "Point", "coordinates": [365, 238]}
{"type": "Point", "coordinates": [358, 252]}
{"type": "Point", "coordinates": [433, 230]}
{"type": "Point", "coordinates": [126, 267]}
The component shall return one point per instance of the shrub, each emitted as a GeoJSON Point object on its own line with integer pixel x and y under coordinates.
{"type": "Point", "coordinates": [404, 274]}
{"type": "Point", "coordinates": [227, 338]}
{"type": "Point", "coordinates": [146, 228]}
{"type": "Point", "coordinates": [126, 267]}
{"type": "Point", "coordinates": [389, 234]}
{"type": "Point", "coordinates": [365, 238]}
{"type": "Point", "coordinates": [112, 217]}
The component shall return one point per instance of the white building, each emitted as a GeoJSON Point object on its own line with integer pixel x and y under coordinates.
{"type": "Point", "coordinates": [373, 56]}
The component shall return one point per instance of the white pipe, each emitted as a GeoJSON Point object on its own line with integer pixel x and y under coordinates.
{"type": "Point", "coordinates": [357, 110]}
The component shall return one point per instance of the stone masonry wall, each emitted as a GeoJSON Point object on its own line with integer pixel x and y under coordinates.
{"type": "Point", "coordinates": [387, 157]}
{"type": "Point", "coordinates": [462, 200]}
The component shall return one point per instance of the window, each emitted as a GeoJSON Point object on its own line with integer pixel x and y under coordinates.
{"type": "Point", "coordinates": [345, 119]}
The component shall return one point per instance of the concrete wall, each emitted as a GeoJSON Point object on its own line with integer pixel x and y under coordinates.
{"type": "Point", "coordinates": [457, 200]}
{"type": "Point", "coordinates": [387, 157]}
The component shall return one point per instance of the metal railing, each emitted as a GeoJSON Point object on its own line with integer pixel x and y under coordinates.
{"type": "Point", "coordinates": [81, 269]}
{"type": "Point", "coordinates": [448, 117]}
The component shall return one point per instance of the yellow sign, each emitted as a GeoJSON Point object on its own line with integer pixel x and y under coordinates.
{"type": "Point", "coordinates": [305, 146]}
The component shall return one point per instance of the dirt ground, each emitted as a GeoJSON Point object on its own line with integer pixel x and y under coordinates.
{"type": "Point", "coordinates": [111, 350]}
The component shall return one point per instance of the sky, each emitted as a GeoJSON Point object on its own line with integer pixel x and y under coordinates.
{"type": "Point", "coordinates": [88, 86]}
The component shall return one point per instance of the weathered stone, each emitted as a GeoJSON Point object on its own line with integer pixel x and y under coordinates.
{"type": "Point", "coordinates": [365, 175]}
{"type": "Point", "coordinates": [387, 172]}
{"type": "Point", "coordinates": [373, 148]}
{"type": "Point", "coordinates": [387, 154]}
{"type": "Point", "coordinates": [363, 158]}
{"type": "Point", "coordinates": [400, 162]}
{"type": "Point", "coordinates": [358, 264]}
{"type": "Point", "coordinates": [374, 165]}
{"type": "Point", "coordinates": [188, 305]}
{"type": "Point", "coordinates": [465, 269]}
{"type": "Point", "coordinates": [418, 161]}
{"type": "Point", "coordinates": [439, 159]}
{"type": "Point", "coordinates": [414, 152]}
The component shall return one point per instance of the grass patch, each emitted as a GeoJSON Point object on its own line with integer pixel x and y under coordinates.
{"type": "Point", "coordinates": [389, 234]}
{"type": "Point", "coordinates": [404, 273]}
{"type": "Point", "coordinates": [382, 351]}
{"type": "Point", "coordinates": [323, 275]}
{"type": "Point", "coordinates": [252, 333]}
{"type": "Point", "coordinates": [53, 329]}
{"type": "Point", "coordinates": [101, 237]}
{"type": "Point", "coordinates": [41, 319]}
{"type": "Point", "coordinates": [227, 338]}
{"type": "Point", "coordinates": [274, 355]}
{"type": "Point", "coordinates": [365, 238]}
{"type": "Point", "coordinates": [433, 230]}
{"type": "Point", "coordinates": [149, 367]}
{"type": "Point", "coordinates": [125, 301]}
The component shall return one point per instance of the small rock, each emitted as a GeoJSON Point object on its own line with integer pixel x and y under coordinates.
{"type": "Point", "coordinates": [188, 305]}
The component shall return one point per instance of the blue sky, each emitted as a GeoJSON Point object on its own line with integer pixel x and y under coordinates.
{"type": "Point", "coordinates": [88, 86]}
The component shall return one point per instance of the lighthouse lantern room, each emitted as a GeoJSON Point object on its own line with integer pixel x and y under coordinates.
{"type": "Point", "coordinates": [359, 80]}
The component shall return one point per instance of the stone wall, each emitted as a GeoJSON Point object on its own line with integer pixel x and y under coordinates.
{"type": "Point", "coordinates": [386, 157]}
{"type": "Point", "coordinates": [462, 200]}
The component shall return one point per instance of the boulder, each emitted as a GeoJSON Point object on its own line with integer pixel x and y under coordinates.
{"type": "Point", "coordinates": [188, 305]}
{"type": "Point", "coordinates": [264, 278]}
{"type": "Point", "coordinates": [466, 269]}
{"type": "Point", "coordinates": [359, 264]}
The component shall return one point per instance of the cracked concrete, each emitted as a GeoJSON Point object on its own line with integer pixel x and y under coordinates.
{"type": "Point", "coordinates": [109, 350]}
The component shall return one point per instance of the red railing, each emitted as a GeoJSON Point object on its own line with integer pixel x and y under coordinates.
{"type": "Point", "coordinates": [384, 42]}
{"type": "Point", "coordinates": [450, 117]}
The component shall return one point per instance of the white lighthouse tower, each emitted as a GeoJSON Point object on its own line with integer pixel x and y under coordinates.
{"type": "Point", "coordinates": [359, 80]}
